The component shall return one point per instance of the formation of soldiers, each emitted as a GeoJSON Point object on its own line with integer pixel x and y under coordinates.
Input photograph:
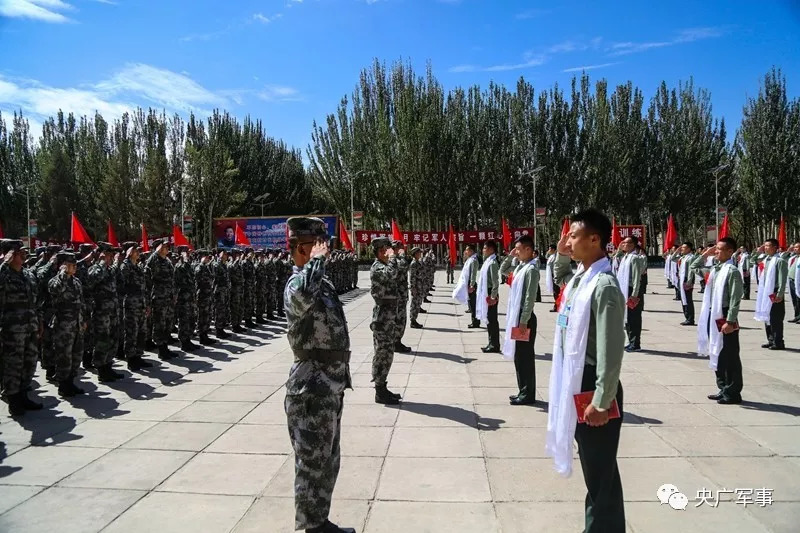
{"type": "Point", "coordinates": [68, 308]}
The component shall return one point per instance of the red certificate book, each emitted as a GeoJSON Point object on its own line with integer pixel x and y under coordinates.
{"type": "Point", "coordinates": [772, 297]}
{"type": "Point", "coordinates": [583, 399]}
{"type": "Point", "coordinates": [516, 335]}
{"type": "Point", "coordinates": [721, 322]}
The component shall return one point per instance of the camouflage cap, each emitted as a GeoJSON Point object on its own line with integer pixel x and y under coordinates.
{"type": "Point", "coordinates": [130, 244]}
{"type": "Point", "coordinates": [306, 227]}
{"type": "Point", "coordinates": [157, 243]}
{"type": "Point", "coordinates": [396, 243]}
{"type": "Point", "coordinates": [54, 248]}
{"type": "Point", "coordinates": [182, 248]}
{"type": "Point", "coordinates": [202, 253]}
{"type": "Point", "coordinates": [66, 257]}
{"type": "Point", "coordinates": [85, 247]}
{"type": "Point", "coordinates": [7, 245]}
{"type": "Point", "coordinates": [40, 250]}
{"type": "Point", "coordinates": [380, 242]}
{"type": "Point", "coordinates": [416, 250]}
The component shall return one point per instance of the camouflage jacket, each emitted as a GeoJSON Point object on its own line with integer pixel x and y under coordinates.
{"type": "Point", "coordinates": [315, 320]}
{"type": "Point", "coordinates": [184, 281]}
{"type": "Point", "coordinates": [383, 277]}
{"type": "Point", "coordinates": [101, 285]}
{"type": "Point", "coordinates": [417, 272]}
{"type": "Point", "coordinates": [222, 278]}
{"type": "Point", "coordinates": [18, 300]}
{"type": "Point", "coordinates": [160, 278]}
{"type": "Point", "coordinates": [249, 273]}
{"type": "Point", "coordinates": [236, 275]}
{"type": "Point", "coordinates": [204, 280]}
{"type": "Point", "coordinates": [403, 265]}
{"type": "Point", "coordinates": [66, 293]}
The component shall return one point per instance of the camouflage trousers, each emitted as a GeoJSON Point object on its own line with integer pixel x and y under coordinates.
{"type": "Point", "coordinates": [416, 304]}
{"type": "Point", "coordinates": [204, 307]}
{"type": "Point", "coordinates": [315, 423]}
{"type": "Point", "coordinates": [187, 317]}
{"type": "Point", "coordinates": [162, 315]}
{"type": "Point", "coordinates": [248, 301]}
{"type": "Point", "coordinates": [68, 344]}
{"type": "Point", "coordinates": [88, 334]}
{"type": "Point", "coordinates": [18, 357]}
{"type": "Point", "coordinates": [271, 300]}
{"type": "Point", "coordinates": [46, 351]}
{"type": "Point", "coordinates": [402, 317]}
{"type": "Point", "coordinates": [222, 308]}
{"type": "Point", "coordinates": [384, 322]}
{"type": "Point", "coordinates": [104, 322]}
{"type": "Point", "coordinates": [236, 306]}
{"type": "Point", "coordinates": [134, 327]}
{"type": "Point", "coordinates": [279, 303]}
{"type": "Point", "coordinates": [261, 301]}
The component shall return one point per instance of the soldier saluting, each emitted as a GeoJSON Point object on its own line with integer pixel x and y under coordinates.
{"type": "Point", "coordinates": [384, 275]}
{"type": "Point", "coordinates": [318, 335]}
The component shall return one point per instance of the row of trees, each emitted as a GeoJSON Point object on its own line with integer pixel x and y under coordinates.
{"type": "Point", "coordinates": [425, 156]}
{"type": "Point", "coordinates": [405, 148]}
{"type": "Point", "coordinates": [144, 167]}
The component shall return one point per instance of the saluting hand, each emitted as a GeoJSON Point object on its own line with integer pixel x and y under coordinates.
{"type": "Point", "coordinates": [320, 249]}
{"type": "Point", "coordinates": [562, 246]}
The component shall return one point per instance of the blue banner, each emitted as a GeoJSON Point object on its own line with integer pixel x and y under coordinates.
{"type": "Point", "coordinates": [262, 232]}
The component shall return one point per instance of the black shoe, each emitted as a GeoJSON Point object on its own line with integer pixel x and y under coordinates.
{"type": "Point", "coordinates": [777, 347]}
{"type": "Point", "coordinates": [260, 320]}
{"type": "Point", "coordinates": [792, 321]}
{"type": "Point", "coordinates": [633, 349]}
{"type": "Point", "coordinates": [474, 325]}
{"type": "Point", "coordinates": [150, 346]}
{"type": "Point", "coordinates": [87, 361]}
{"type": "Point", "coordinates": [687, 323]}
{"type": "Point", "coordinates": [415, 325]}
{"type": "Point", "coordinates": [106, 374]}
{"type": "Point", "coordinates": [426, 301]}
{"type": "Point", "coordinates": [715, 397]}
{"type": "Point", "coordinates": [513, 396]}
{"type": "Point", "coordinates": [330, 527]}
{"type": "Point", "coordinates": [222, 334]}
{"type": "Point", "coordinates": [137, 363]}
{"type": "Point", "coordinates": [66, 389]}
{"type": "Point", "coordinates": [249, 324]}
{"type": "Point", "coordinates": [422, 311]}
{"type": "Point", "coordinates": [189, 346]}
{"type": "Point", "coordinates": [517, 401]}
{"type": "Point", "coordinates": [205, 340]}
{"type": "Point", "coordinates": [554, 310]}
{"type": "Point", "coordinates": [29, 404]}
{"type": "Point", "coordinates": [490, 349]}
{"type": "Point", "coordinates": [729, 401]}
{"type": "Point", "coordinates": [16, 405]}
{"type": "Point", "coordinates": [399, 347]}
{"type": "Point", "coordinates": [238, 329]}
{"type": "Point", "coordinates": [382, 395]}
{"type": "Point", "coordinates": [164, 354]}
{"type": "Point", "coordinates": [767, 345]}
{"type": "Point", "coordinates": [50, 375]}
{"type": "Point", "coordinates": [399, 397]}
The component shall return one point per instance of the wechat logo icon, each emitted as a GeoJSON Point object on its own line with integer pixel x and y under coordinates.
{"type": "Point", "coordinates": [671, 495]}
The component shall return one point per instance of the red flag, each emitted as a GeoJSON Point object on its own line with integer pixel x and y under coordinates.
{"type": "Point", "coordinates": [178, 238]}
{"type": "Point", "coordinates": [112, 237]}
{"type": "Point", "coordinates": [506, 236]}
{"type": "Point", "coordinates": [145, 244]}
{"type": "Point", "coordinates": [451, 245]}
{"type": "Point", "coordinates": [782, 235]}
{"type": "Point", "coordinates": [671, 235]}
{"type": "Point", "coordinates": [565, 227]}
{"type": "Point", "coordinates": [344, 237]}
{"type": "Point", "coordinates": [396, 235]}
{"type": "Point", "coordinates": [724, 229]}
{"type": "Point", "coordinates": [240, 237]}
{"type": "Point", "coordinates": [616, 240]}
{"type": "Point", "coordinates": [77, 233]}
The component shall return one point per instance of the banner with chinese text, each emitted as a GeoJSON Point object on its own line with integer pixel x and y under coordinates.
{"type": "Point", "coordinates": [262, 232]}
{"type": "Point", "coordinates": [426, 238]}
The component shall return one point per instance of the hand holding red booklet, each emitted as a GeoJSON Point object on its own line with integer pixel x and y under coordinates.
{"type": "Point", "coordinates": [517, 335]}
{"type": "Point", "coordinates": [773, 297]}
{"type": "Point", "coordinates": [721, 322]}
{"type": "Point", "coordinates": [583, 399]}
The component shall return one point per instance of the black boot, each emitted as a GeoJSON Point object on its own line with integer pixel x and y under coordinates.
{"type": "Point", "coordinates": [87, 360]}
{"type": "Point", "coordinates": [205, 340]}
{"type": "Point", "coordinates": [415, 325]}
{"type": "Point", "coordinates": [426, 300]}
{"type": "Point", "coordinates": [401, 348]}
{"type": "Point", "coordinates": [136, 363]}
{"type": "Point", "coordinates": [260, 320]}
{"type": "Point", "coordinates": [164, 354]}
{"type": "Point", "coordinates": [249, 324]}
{"type": "Point", "coordinates": [50, 375]}
{"type": "Point", "coordinates": [189, 346]}
{"type": "Point", "coordinates": [16, 405]}
{"type": "Point", "coordinates": [150, 346]}
{"type": "Point", "coordinates": [29, 404]}
{"type": "Point", "coordinates": [106, 374]}
{"type": "Point", "coordinates": [382, 395]}
{"type": "Point", "coordinates": [222, 334]}
{"type": "Point", "coordinates": [330, 527]}
{"type": "Point", "coordinates": [238, 329]}
{"type": "Point", "coordinates": [66, 389]}
{"type": "Point", "coordinates": [422, 311]}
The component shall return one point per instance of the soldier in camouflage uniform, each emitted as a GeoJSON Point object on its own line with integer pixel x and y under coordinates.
{"type": "Point", "coordinates": [160, 279]}
{"type": "Point", "coordinates": [133, 289]}
{"type": "Point", "coordinates": [186, 290]}
{"type": "Point", "coordinates": [318, 335]}
{"type": "Point", "coordinates": [204, 281]}
{"type": "Point", "coordinates": [46, 270]}
{"type": "Point", "coordinates": [102, 288]}
{"type": "Point", "coordinates": [19, 328]}
{"type": "Point", "coordinates": [237, 290]}
{"type": "Point", "coordinates": [86, 257]}
{"type": "Point", "coordinates": [222, 292]}
{"type": "Point", "coordinates": [273, 264]}
{"type": "Point", "coordinates": [248, 297]}
{"type": "Point", "coordinates": [354, 266]}
{"type": "Point", "coordinates": [66, 295]}
{"type": "Point", "coordinates": [383, 277]}
{"type": "Point", "coordinates": [119, 333]}
{"type": "Point", "coordinates": [430, 270]}
{"type": "Point", "coordinates": [417, 286]}
{"type": "Point", "coordinates": [403, 263]}
{"type": "Point", "coordinates": [283, 278]}
{"type": "Point", "coordinates": [261, 286]}
{"type": "Point", "coordinates": [449, 268]}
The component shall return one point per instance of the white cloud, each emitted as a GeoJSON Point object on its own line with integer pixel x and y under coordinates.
{"type": "Point", "coordinates": [279, 93]}
{"type": "Point", "coordinates": [42, 10]}
{"type": "Point", "coordinates": [463, 68]}
{"type": "Point", "coordinates": [684, 36]}
{"type": "Point", "coordinates": [530, 59]}
{"type": "Point", "coordinates": [260, 17]}
{"type": "Point", "coordinates": [589, 67]}
{"type": "Point", "coordinates": [534, 61]}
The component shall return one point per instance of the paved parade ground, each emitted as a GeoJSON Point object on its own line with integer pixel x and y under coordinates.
{"type": "Point", "coordinates": [200, 444]}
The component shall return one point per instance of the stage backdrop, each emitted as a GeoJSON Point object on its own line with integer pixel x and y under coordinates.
{"type": "Point", "coordinates": [263, 232]}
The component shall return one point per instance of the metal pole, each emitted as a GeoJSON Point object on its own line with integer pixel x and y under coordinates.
{"type": "Point", "coordinates": [716, 204]}
{"type": "Point", "coordinates": [28, 202]}
{"type": "Point", "coordinates": [183, 230]}
{"type": "Point", "coordinates": [534, 211]}
{"type": "Point", "coordinates": [352, 214]}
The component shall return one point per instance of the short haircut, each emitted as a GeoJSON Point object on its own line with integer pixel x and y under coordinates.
{"type": "Point", "coordinates": [634, 239]}
{"type": "Point", "coordinates": [729, 243]}
{"type": "Point", "coordinates": [690, 245]}
{"type": "Point", "coordinates": [773, 242]}
{"type": "Point", "coordinates": [552, 247]}
{"type": "Point", "coordinates": [526, 240]}
{"type": "Point", "coordinates": [597, 223]}
{"type": "Point", "coordinates": [491, 244]}
{"type": "Point", "coordinates": [471, 247]}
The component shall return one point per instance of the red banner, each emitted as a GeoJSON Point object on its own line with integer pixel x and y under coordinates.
{"type": "Point", "coordinates": [623, 232]}
{"type": "Point", "coordinates": [427, 238]}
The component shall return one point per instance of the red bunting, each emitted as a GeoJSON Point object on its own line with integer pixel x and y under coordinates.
{"type": "Point", "coordinates": [451, 245]}
{"type": "Point", "coordinates": [344, 237]}
{"type": "Point", "coordinates": [565, 227]}
{"type": "Point", "coordinates": [240, 237]}
{"type": "Point", "coordinates": [77, 233]}
{"type": "Point", "coordinates": [145, 244]}
{"type": "Point", "coordinates": [724, 229]}
{"type": "Point", "coordinates": [506, 235]}
{"type": "Point", "coordinates": [178, 238]}
{"type": "Point", "coordinates": [112, 237]}
{"type": "Point", "coordinates": [616, 238]}
{"type": "Point", "coordinates": [782, 235]}
{"type": "Point", "coordinates": [396, 234]}
{"type": "Point", "coordinates": [2, 236]}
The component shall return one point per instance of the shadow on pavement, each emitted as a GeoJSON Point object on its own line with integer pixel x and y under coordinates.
{"type": "Point", "coordinates": [449, 412]}
{"type": "Point", "coordinates": [445, 356]}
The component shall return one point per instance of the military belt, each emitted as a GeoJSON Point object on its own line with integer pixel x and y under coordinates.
{"type": "Point", "coordinates": [385, 301]}
{"type": "Point", "coordinates": [323, 356]}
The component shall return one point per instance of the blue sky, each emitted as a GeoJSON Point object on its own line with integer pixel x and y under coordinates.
{"type": "Point", "coordinates": [288, 62]}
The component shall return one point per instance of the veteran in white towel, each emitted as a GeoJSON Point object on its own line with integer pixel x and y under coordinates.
{"type": "Point", "coordinates": [519, 314]}
{"type": "Point", "coordinates": [770, 303]}
{"type": "Point", "coordinates": [742, 261]}
{"type": "Point", "coordinates": [464, 292]}
{"type": "Point", "coordinates": [488, 296]}
{"type": "Point", "coordinates": [717, 339]}
{"type": "Point", "coordinates": [686, 279]}
{"type": "Point", "coordinates": [587, 356]}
